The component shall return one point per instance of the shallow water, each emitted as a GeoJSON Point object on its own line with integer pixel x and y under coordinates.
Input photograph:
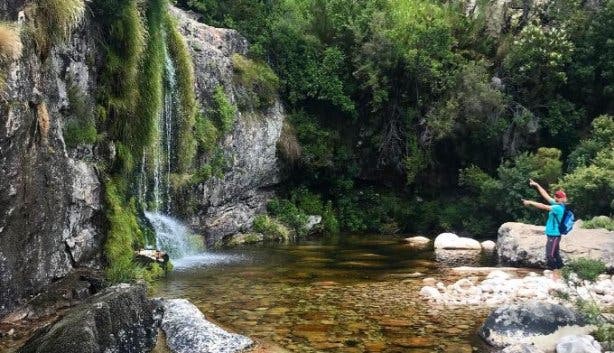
{"type": "Point", "coordinates": [350, 294]}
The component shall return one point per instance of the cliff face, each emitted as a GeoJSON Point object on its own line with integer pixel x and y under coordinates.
{"type": "Point", "coordinates": [50, 203]}
{"type": "Point", "coordinates": [52, 212]}
{"type": "Point", "coordinates": [225, 205]}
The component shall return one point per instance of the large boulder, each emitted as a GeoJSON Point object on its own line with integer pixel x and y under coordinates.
{"type": "Point", "coordinates": [521, 244]}
{"type": "Point", "coordinates": [538, 323]}
{"type": "Point", "coordinates": [224, 205]}
{"type": "Point", "coordinates": [578, 344]}
{"type": "Point", "coordinates": [187, 331]}
{"type": "Point", "coordinates": [118, 319]}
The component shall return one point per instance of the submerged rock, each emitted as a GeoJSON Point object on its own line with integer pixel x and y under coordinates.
{"type": "Point", "coordinates": [418, 242]}
{"type": "Point", "coordinates": [118, 319]}
{"type": "Point", "coordinates": [187, 331]}
{"type": "Point", "coordinates": [541, 324]}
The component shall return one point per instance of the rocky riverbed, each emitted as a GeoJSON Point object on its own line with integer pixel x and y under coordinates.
{"type": "Point", "coordinates": [492, 287]}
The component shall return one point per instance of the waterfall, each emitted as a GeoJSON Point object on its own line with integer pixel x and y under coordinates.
{"type": "Point", "coordinates": [154, 181]}
{"type": "Point", "coordinates": [173, 237]}
{"type": "Point", "coordinates": [169, 115]}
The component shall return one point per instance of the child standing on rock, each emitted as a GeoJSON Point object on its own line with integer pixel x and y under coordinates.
{"type": "Point", "coordinates": [555, 208]}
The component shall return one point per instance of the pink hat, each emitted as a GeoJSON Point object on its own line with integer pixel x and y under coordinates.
{"type": "Point", "coordinates": [560, 194]}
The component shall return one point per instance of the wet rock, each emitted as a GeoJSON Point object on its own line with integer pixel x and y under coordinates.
{"type": "Point", "coordinates": [521, 244]}
{"type": "Point", "coordinates": [187, 331]}
{"type": "Point", "coordinates": [243, 238]}
{"type": "Point", "coordinates": [531, 322]}
{"type": "Point", "coordinates": [118, 319]}
{"type": "Point", "coordinates": [418, 242]}
{"type": "Point", "coordinates": [313, 223]}
{"type": "Point", "coordinates": [578, 344]}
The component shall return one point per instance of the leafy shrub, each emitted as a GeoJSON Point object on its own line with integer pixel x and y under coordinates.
{"type": "Point", "coordinates": [270, 228]}
{"type": "Point", "coordinates": [10, 42]}
{"type": "Point", "coordinates": [584, 268]}
{"type": "Point", "coordinates": [288, 213]}
{"type": "Point", "coordinates": [599, 222]}
{"type": "Point", "coordinates": [258, 78]}
{"type": "Point", "coordinates": [591, 188]}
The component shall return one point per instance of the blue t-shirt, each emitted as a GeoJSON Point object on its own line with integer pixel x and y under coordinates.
{"type": "Point", "coordinates": [554, 216]}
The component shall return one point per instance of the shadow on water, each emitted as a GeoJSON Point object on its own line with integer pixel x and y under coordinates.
{"type": "Point", "coordinates": [344, 294]}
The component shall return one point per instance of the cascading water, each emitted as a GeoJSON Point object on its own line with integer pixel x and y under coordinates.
{"type": "Point", "coordinates": [173, 237]}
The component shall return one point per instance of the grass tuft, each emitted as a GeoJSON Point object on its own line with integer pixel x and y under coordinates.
{"type": "Point", "coordinates": [54, 21]}
{"type": "Point", "coordinates": [259, 79]}
{"type": "Point", "coordinates": [10, 42]}
{"type": "Point", "coordinates": [288, 145]}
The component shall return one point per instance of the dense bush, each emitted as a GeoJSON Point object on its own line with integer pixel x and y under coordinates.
{"type": "Point", "coordinates": [604, 222]}
{"type": "Point", "coordinates": [271, 228]}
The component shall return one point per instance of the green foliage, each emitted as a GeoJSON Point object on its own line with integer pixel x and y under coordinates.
{"type": "Point", "coordinates": [80, 128]}
{"type": "Point", "coordinates": [604, 222]}
{"type": "Point", "coordinates": [605, 335]}
{"type": "Point", "coordinates": [601, 139]}
{"type": "Point", "coordinates": [271, 228]}
{"type": "Point", "coordinates": [206, 133]}
{"type": "Point", "coordinates": [585, 268]}
{"type": "Point", "coordinates": [287, 212]}
{"type": "Point", "coordinates": [222, 112]}
{"type": "Point", "coordinates": [591, 188]}
{"type": "Point", "coordinates": [188, 105]}
{"type": "Point", "coordinates": [54, 21]}
{"type": "Point", "coordinates": [259, 80]}
{"type": "Point", "coordinates": [537, 60]}
{"type": "Point", "coordinates": [124, 235]}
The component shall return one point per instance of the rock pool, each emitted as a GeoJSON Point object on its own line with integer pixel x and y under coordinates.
{"type": "Point", "coordinates": [350, 294]}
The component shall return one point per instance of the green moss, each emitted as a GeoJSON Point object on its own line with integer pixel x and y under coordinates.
{"type": "Point", "coordinates": [77, 133]}
{"type": "Point", "coordinates": [258, 78]}
{"type": "Point", "coordinates": [188, 105]}
{"type": "Point", "coordinates": [123, 237]}
{"type": "Point", "coordinates": [206, 133]}
{"type": "Point", "coordinates": [222, 111]}
{"type": "Point", "coordinates": [271, 228]}
{"type": "Point", "coordinates": [80, 127]}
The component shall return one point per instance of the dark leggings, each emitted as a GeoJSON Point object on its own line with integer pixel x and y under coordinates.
{"type": "Point", "coordinates": [553, 258]}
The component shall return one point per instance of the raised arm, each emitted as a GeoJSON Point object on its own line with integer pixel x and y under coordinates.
{"type": "Point", "coordinates": [541, 190]}
{"type": "Point", "coordinates": [539, 205]}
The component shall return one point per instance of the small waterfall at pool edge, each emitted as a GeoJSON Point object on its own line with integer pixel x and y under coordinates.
{"type": "Point", "coordinates": [154, 181]}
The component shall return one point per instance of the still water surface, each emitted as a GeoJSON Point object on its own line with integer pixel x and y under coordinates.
{"type": "Point", "coordinates": [349, 294]}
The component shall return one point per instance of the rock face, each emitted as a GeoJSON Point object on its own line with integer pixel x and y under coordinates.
{"type": "Point", "coordinates": [187, 331]}
{"type": "Point", "coordinates": [521, 244]}
{"type": "Point", "coordinates": [228, 204]}
{"type": "Point", "coordinates": [541, 324]}
{"type": "Point", "coordinates": [50, 203]}
{"type": "Point", "coordinates": [119, 319]}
